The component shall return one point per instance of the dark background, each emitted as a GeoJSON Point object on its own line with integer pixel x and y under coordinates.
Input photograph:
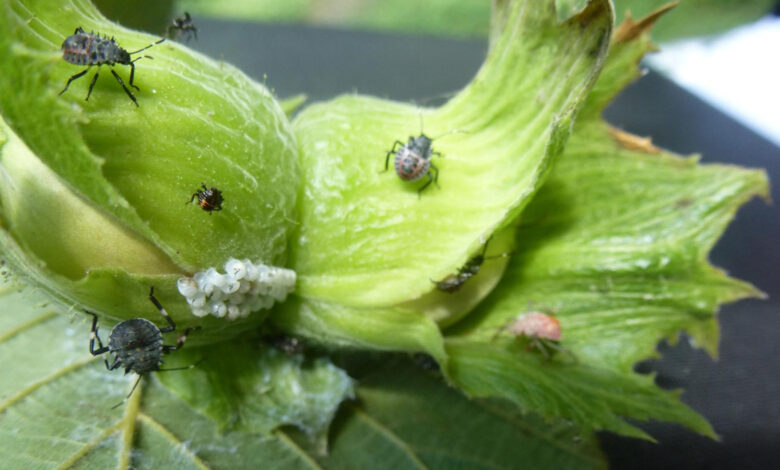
{"type": "Point", "coordinates": [740, 393]}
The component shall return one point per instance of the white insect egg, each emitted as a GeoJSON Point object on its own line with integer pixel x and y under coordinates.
{"type": "Point", "coordinates": [245, 310]}
{"type": "Point", "coordinates": [187, 286]}
{"type": "Point", "coordinates": [231, 287]}
{"type": "Point", "coordinates": [218, 296]}
{"type": "Point", "coordinates": [200, 279]}
{"type": "Point", "coordinates": [218, 309]}
{"type": "Point", "coordinates": [236, 298]}
{"type": "Point", "coordinates": [251, 270]}
{"type": "Point", "coordinates": [215, 278]}
{"type": "Point", "coordinates": [233, 312]}
{"type": "Point", "coordinates": [244, 288]}
{"type": "Point", "coordinates": [235, 269]}
{"type": "Point", "coordinates": [200, 312]}
{"type": "Point", "coordinates": [199, 300]}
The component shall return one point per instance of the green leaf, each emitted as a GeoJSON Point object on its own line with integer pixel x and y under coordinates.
{"type": "Point", "coordinates": [408, 419]}
{"type": "Point", "coordinates": [696, 17]}
{"type": "Point", "coordinates": [54, 393]}
{"type": "Point", "coordinates": [365, 236]}
{"type": "Point", "coordinates": [469, 17]}
{"type": "Point", "coordinates": [615, 247]}
{"type": "Point", "coordinates": [591, 397]}
{"type": "Point", "coordinates": [250, 387]}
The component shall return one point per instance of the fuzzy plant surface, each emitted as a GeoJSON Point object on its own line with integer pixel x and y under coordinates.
{"type": "Point", "coordinates": [567, 216]}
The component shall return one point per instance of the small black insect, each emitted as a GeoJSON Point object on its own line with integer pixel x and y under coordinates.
{"type": "Point", "coordinates": [182, 26]}
{"type": "Point", "coordinates": [454, 282]}
{"type": "Point", "coordinates": [289, 345]}
{"type": "Point", "coordinates": [90, 49]}
{"type": "Point", "coordinates": [137, 344]}
{"type": "Point", "coordinates": [413, 160]}
{"type": "Point", "coordinates": [209, 199]}
{"type": "Point", "coordinates": [426, 362]}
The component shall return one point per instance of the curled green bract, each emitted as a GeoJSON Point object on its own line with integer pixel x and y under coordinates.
{"type": "Point", "coordinates": [97, 197]}
{"type": "Point", "coordinates": [369, 244]}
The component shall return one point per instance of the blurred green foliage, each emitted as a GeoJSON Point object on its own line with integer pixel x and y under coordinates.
{"type": "Point", "coordinates": [465, 18]}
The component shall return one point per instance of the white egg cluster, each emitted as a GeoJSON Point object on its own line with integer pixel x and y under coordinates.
{"type": "Point", "coordinates": [244, 288]}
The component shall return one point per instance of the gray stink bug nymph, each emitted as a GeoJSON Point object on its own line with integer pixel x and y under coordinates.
{"type": "Point", "coordinates": [137, 344]}
{"type": "Point", "coordinates": [82, 48]}
{"type": "Point", "coordinates": [182, 26]}
{"type": "Point", "coordinates": [413, 160]}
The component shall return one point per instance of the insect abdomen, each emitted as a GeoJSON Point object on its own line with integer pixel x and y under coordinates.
{"type": "Point", "coordinates": [89, 49]}
{"type": "Point", "coordinates": [138, 344]}
{"type": "Point", "coordinates": [410, 166]}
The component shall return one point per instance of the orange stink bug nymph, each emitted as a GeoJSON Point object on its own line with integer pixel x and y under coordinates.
{"type": "Point", "coordinates": [542, 332]}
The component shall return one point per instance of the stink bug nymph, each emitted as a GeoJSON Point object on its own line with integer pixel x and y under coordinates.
{"type": "Point", "coordinates": [453, 283]}
{"type": "Point", "coordinates": [209, 199]}
{"type": "Point", "coordinates": [413, 160]}
{"type": "Point", "coordinates": [137, 344]}
{"type": "Point", "coordinates": [82, 48]}
{"type": "Point", "coordinates": [541, 331]}
{"type": "Point", "coordinates": [182, 26]}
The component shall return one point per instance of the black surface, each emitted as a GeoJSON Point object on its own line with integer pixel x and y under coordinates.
{"type": "Point", "coordinates": [739, 394]}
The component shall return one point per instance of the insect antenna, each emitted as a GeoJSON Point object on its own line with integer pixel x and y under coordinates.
{"type": "Point", "coordinates": [147, 47]}
{"type": "Point", "coordinates": [454, 131]}
{"type": "Point", "coordinates": [500, 255]}
{"type": "Point", "coordinates": [128, 395]}
{"type": "Point", "coordinates": [191, 366]}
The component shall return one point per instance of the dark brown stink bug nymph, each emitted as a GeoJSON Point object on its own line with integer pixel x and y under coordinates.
{"type": "Point", "coordinates": [209, 199]}
{"type": "Point", "coordinates": [82, 48]}
{"type": "Point", "coordinates": [137, 344]}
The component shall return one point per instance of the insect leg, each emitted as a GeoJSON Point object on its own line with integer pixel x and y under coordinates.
{"type": "Point", "coordinates": [431, 179]}
{"type": "Point", "coordinates": [132, 74]}
{"type": "Point", "coordinates": [391, 152]}
{"type": "Point", "coordinates": [500, 330]}
{"type": "Point", "coordinates": [91, 85]}
{"type": "Point", "coordinates": [78, 75]}
{"type": "Point", "coordinates": [194, 195]}
{"type": "Point", "coordinates": [180, 340]}
{"type": "Point", "coordinates": [123, 86]}
{"type": "Point", "coordinates": [94, 335]}
{"type": "Point", "coordinates": [170, 321]}
{"type": "Point", "coordinates": [128, 395]}
{"type": "Point", "coordinates": [435, 172]}
{"type": "Point", "coordinates": [537, 343]}
{"type": "Point", "coordinates": [114, 365]}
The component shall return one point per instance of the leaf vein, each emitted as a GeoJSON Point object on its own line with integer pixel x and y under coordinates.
{"type": "Point", "coordinates": [171, 437]}
{"type": "Point", "coordinates": [49, 378]}
{"type": "Point", "coordinates": [284, 438]}
{"type": "Point", "coordinates": [387, 432]}
{"type": "Point", "coordinates": [26, 326]}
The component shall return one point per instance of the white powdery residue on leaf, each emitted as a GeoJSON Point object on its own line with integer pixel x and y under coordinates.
{"type": "Point", "coordinates": [244, 288]}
